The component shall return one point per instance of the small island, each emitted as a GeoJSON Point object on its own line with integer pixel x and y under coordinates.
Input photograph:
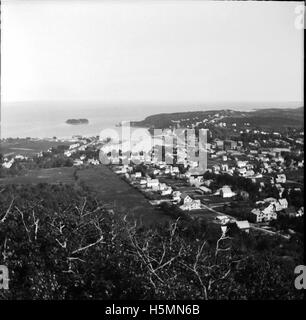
{"type": "Point", "coordinates": [77, 121]}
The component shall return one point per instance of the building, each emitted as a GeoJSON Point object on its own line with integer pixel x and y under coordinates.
{"type": "Point", "coordinates": [241, 164]}
{"type": "Point", "coordinates": [176, 196]}
{"type": "Point", "coordinates": [185, 198]}
{"type": "Point", "coordinates": [152, 183]}
{"type": "Point", "coordinates": [223, 219]}
{"type": "Point", "coordinates": [243, 225]}
{"type": "Point", "coordinates": [77, 162]}
{"type": "Point", "coordinates": [138, 174]}
{"type": "Point", "coordinates": [219, 143]}
{"type": "Point", "coordinates": [265, 214]}
{"type": "Point", "coordinates": [226, 192]}
{"type": "Point", "coordinates": [205, 189]}
{"type": "Point", "coordinates": [196, 181]}
{"type": "Point", "coordinates": [191, 205]}
{"type": "Point", "coordinates": [230, 144]}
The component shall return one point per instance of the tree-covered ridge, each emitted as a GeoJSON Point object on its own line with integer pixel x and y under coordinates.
{"type": "Point", "coordinates": [261, 118]}
{"type": "Point", "coordinates": [61, 243]}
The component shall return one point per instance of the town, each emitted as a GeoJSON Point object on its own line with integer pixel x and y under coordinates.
{"type": "Point", "coordinates": [254, 181]}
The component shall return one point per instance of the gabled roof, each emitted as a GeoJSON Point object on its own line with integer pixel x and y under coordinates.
{"type": "Point", "coordinates": [243, 224]}
{"type": "Point", "coordinates": [184, 195]}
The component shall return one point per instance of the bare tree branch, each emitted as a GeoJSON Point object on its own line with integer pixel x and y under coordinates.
{"type": "Point", "coordinates": [7, 211]}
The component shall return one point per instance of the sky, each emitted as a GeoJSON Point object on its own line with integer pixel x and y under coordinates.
{"type": "Point", "coordinates": [150, 51]}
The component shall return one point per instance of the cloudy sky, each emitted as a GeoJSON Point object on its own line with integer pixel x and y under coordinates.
{"type": "Point", "coordinates": [150, 51]}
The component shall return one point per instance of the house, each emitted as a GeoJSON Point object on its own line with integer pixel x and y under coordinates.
{"type": "Point", "coordinates": [224, 167]}
{"type": "Point", "coordinates": [166, 191]}
{"type": "Point", "coordinates": [185, 198]}
{"type": "Point", "coordinates": [219, 143]}
{"type": "Point", "coordinates": [300, 212]}
{"type": "Point", "coordinates": [191, 205]}
{"type": "Point", "coordinates": [241, 164]}
{"type": "Point", "coordinates": [208, 182]}
{"type": "Point", "coordinates": [8, 164]}
{"type": "Point", "coordinates": [216, 169]}
{"type": "Point", "coordinates": [175, 170]}
{"type": "Point", "coordinates": [162, 186]}
{"type": "Point", "coordinates": [93, 161]}
{"type": "Point", "coordinates": [226, 192]}
{"type": "Point", "coordinates": [205, 189]}
{"type": "Point", "coordinates": [243, 225]}
{"type": "Point", "coordinates": [143, 181]}
{"type": "Point", "coordinates": [268, 213]}
{"type": "Point", "coordinates": [249, 173]}
{"type": "Point", "coordinates": [230, 144]}
{"type": "Point", "coordinates": [20, 157]}
{"type": "Point", "coordinates": [284, 203]}
{"type": "Point", "coordinates": [156, 171]}
{"type": "Point", "coordinates": [123, 169]}
{"type": "Point", "coordinates": [223, 219]}
{"type": "Point", "coordinates": [176, 196]}
{"type": "Point", "coordinates": [77, 162]}
{"type": "Point", "coordinates": [242, 171]}
{"type": "Point", "coordinates": [138, 174]}
{"type": "Point", "coordinates": [196, 181]}
{"type": "Point", "coordinates": [152, 183]}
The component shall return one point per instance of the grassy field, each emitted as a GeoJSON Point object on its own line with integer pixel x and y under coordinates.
{"type": "Point", "coordinates": [108, 187]}
{"type": "Point", "coordinates": [126, 199]}
{"type": "Point", "coordinates": [53, 176]}
{"type": "Point", "coordinates": [27, 147]}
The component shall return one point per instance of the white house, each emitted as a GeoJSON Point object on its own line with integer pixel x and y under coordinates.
{"type": "Point", "coordinates": [138, 174]}
{"type": "Point", "coordinates": [176, 196]}
{"type": "Point", "coordinates": [152, 183]}
{"type": "Point", "coordinates": [191, 205]}
{"type": "Point", "coordinates": [284, 203]}
{"type": "Point", "coordinates": [93, 161]}
{"type": "Point", "coordinates": [196, 181]}
{"type": "Point", "coordinates": [267, 214]}
{"type": "Point", "coordinates": [300, 212]}
{"type": "Point", "coordinates": [175, 169]}
{"type": "Point", "coordinates": [156, 171]}
{"type": "Point", "coordinates": [8, 164]}
{"type": "Point", "coordinates": [77, 162]}
{"type": "Point", "coordinates": [223, 219]}
{"type": "Point", "coordinates": [243, 225]}
{"type": "Point", "coordinates": [205, 189]}
{"type": "Point", "coordinates": [224, 167]}
{"type": "Point", "coordinates": [226, 192]}
{"type": "Point", "coordinates": [143, 181]}
{"type": "Point", "coordinates": [167, 191]}
{"type": "Point", "coordinates": [185, 198]}
{"type": "Point", "coordinates": [241, 164]}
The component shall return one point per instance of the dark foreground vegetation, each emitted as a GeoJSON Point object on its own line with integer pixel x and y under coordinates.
{"type": "Point", "coordinates": [59, 242]}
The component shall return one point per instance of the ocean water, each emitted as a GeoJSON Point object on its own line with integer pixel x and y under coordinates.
{"type": "Point", "coordinates": [47, 119]}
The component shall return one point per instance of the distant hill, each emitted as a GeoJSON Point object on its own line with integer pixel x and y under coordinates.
{"type": "Point", "coordinates": [261, 118]}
